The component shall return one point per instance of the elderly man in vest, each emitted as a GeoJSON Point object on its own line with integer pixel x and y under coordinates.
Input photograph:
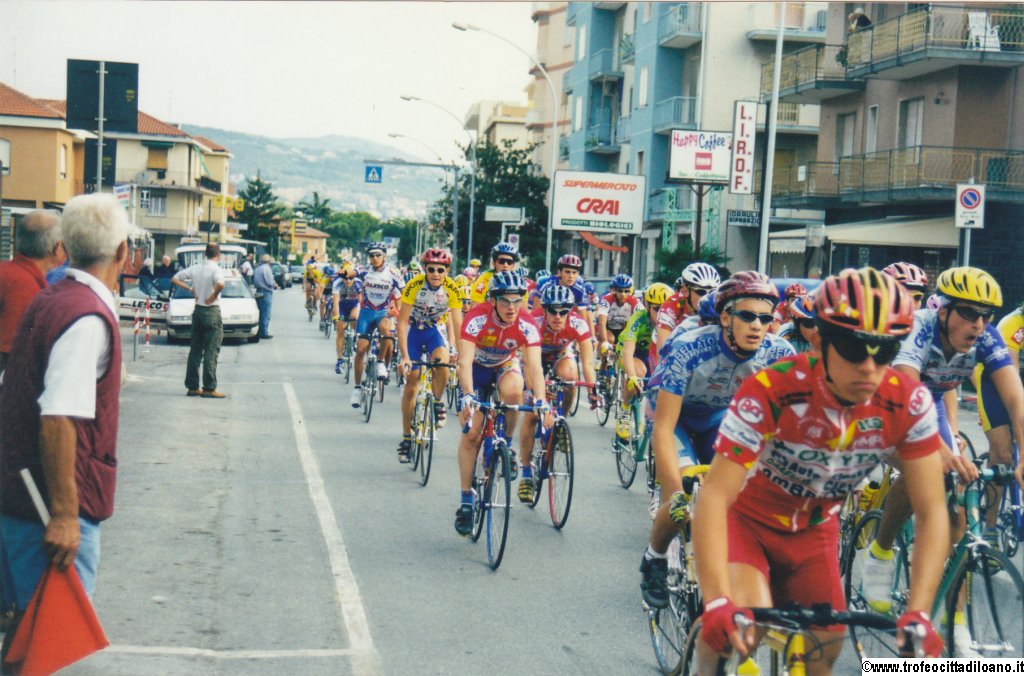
{"type": "Point", "coordinates": [59, 406]}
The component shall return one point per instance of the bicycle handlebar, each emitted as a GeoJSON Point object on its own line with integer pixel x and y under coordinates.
{"type": "Point", "coordinates": [486, 405]}
{"type": "Point", "coordinates": [570, 383]}
{"type": "Point", "coordinates": [822, 614]}
{"type": "Point", "coordinates": [434, 364]}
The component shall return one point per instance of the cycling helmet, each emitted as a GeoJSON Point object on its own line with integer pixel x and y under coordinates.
{"type": "Point", "coordinates": [795, 289]}
{"type": "Point", "coordinates": [377, 246]}
{"type": "Point", "coordinates": [541, 274]}
{"type": "Point", "coordinates": [701, 276]}
{"type": "Point", "coordinates": [907, 274]}
{"type": "Point", "coordinates": [569, 261]}
{"type": "Point", "coordinates": [679, 284]}
{"type": "Point", "coordinates": [706, 309]}
{"type": "Point", "coordinates": [461, 280]}
{"type": "Point", "coordinates": [970, 284]}
{"type": "Point", "coordinates": [435, 256]}
{"type": "Point", "coordinates": [474, 262]}
{"type": "Point", "coordinates": [745, 284]}
{"type": "Point", "coordinates": [347, 269]}
{"type": "Point", "coordinates": [408, 275]}
{"type": "Point", "coordinates": [329, 270]}
{"type": "Point", "coordinates": [624, 282]}
{"type": "Point", "coordinates": [657, 293]}
{"type": "Point", "coordinates": [470, 272]}
{"type": "Point", "coordinates": [802, 307]}
{"type": "Point", "coordinates": [505, 248]}
{"type": "Point", "coordinates": [507, 281]}
{"type": "Point", "coordinates": [556, 295]}
{"type": "Point", "coordinates": [866, 302]}
{"type": "Point", "coordinates": [414, 265]}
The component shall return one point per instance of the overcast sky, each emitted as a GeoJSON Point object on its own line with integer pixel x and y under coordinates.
{"type": "Point", "coordinates": [283, 68]}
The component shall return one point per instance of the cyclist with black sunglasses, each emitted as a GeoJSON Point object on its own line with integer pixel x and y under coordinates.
{"type": "Point", "coordinates": [691, 387]}
{"type": "Point", "coordinates": [698, 280]}
{"type": "Point", "coordinates": [801, 327]}
{"type": "Point", "coordinates": [504, 258]}
{"type": "Point", "coordinates": [798, 438]}
{"type": "Point", "coordinates": [913, 279]}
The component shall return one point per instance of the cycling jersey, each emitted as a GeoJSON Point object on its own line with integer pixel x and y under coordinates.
{"type": "Point", "coordinates": [805, 451]}
{"type": "Point", "coordinates": [347, 292]}
{"type": "Point", "coordinates": [315, 276]}
{"type": "Point", "coordinates": [380, 286]}
{"type": "Point", "coordinates": [790, 332]}
{"type": "Point", "coordinates": [639, 329]}
{"type": "Point", "coordinates": [430, 306]}
{"type": "Point", "coordinates": [991, 409]}
{"type": "Point", "coordinates": [579, 291]}
{"type": "Point", "coordinates": [497, 343]}
{"type": "Point", "coordinates": [553, 345]}
{"type": "Point", "coordinates": [617, 315]}
{"type": "Point", "coordinates": [674, 310]}
{"type": "Point", "coordinates": [479, 287]}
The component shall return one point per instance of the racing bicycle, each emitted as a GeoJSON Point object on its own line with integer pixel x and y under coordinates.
{"type": "Point", "coordinates": [424, 423]}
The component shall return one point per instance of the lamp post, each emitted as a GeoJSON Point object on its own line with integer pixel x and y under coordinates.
{"type": "Point", "coordinates": [472, 163]}
{"type": "Point", "coordinates": [440, 161]}
{"type": "Point", "coordinates": [458, 25]}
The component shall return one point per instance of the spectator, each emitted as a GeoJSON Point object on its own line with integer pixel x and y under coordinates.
{"type": "Point", "coordinates": [265, 285]}
{"type": "Point", "coordinates": [59, 406]}
{"type": "Point", "coordinates": [146, 277]}
{"type": "Point", "coordinates": [247, 269]}
{"type": "Point", "coordinates": [858, 20]}
{"type": "Point", "coordinates": [165, 270]}
{"type": "Point", "coordinates": [206, 282]}
{"type": "Point", "coordinates": [39, 249]}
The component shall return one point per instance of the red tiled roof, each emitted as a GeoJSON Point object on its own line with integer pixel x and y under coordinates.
{"type": "Point", "coordinates": [150, 125]}
{"type": "Point", "coordinates": [13, 102]}
{"type": "Point", "coordinates": [57, 104]}
{"type": "Point", "coordinates": [212, 145]}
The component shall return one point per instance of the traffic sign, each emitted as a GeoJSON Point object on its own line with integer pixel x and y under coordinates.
{"type": "Point", "coordinates": [374, 173]}
{"type": "Point", "coordinates": [498, 213]}
{"type": "Point", "coordinates": [513, 239]}
{"type": "Point", "coordinates": [970, 205]}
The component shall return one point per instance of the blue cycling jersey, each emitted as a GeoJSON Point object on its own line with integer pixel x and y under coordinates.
{"type": "Point", "coordinates": [578, 289]}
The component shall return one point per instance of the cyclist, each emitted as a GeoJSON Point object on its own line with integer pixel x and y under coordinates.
{"type": "Point", "coordinates": [504, 257]}
{"type": "Point", "coordinates": [801, 327]}
{"type": "Point", "coordinates": [796, 441]}
{"type": "Point", "coordinates": [562, 332]}
{"type": "Point", "coordinates": [346, 290]}
{"type": "Point", "coordinates": [567, 274]}
{"type": "Point", "coordinates": [705, 316]}
{"type": "Point", "coordinates": [470, 272]}
{"type": "Point", "coordinates": [613, 311]}
{"type": "Point", "coordinates": [462, 282]}
{"type": "Point", "coordinates": [782, 316]}
{"type": "Point", "coordinates": [697, 280]}
{"type": "Point", "coordinates": [326, 284]}
{"type": "Point", "coordinates": [912, 278]}
{"type": "Point", "coordinates": [381, 288]}
{"type": "Point", "coordinates": [492, 335]}
{"type": "Point", "coordinates": [311, 282]}
{"type": "Point", "coordinates": [475, 264]}
{"type": "Point", "coordinates": [633, 348]}
{"type": "Point", "coordinates": [430, 302]}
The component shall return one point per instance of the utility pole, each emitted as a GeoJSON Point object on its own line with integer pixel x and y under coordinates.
{"type": "Point", "coordinates": [99, 135]}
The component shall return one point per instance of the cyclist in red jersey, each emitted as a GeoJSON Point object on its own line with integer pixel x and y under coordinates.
{"type": "Point", "coordinates": [782, 310]}
{"type": "Point", "coordinates": [798, 438]}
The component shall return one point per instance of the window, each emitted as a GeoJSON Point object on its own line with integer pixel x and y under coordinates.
{"type": "Point", "coordinates": [305, 247]}
{"type": "Point", "coordinates": [63, 161]}
{"type": "Point", "coordinates": [581, 44]}
{"type": "Point", "coordinates": [845, 134]}
{"type": "Point", "coordinates": [910, 123]}
{"type": "Point", "coordinates": [871, 133]}
{"type": "Point", "coordinates": [577, 123]}
{"type": "Point", "coordinates": [647, 11]}
{"type": "Point", "coordinates": [641, 95]}
{"type": "Point", "coordinates": [640, 162]}
{"type": "Point", "coordinates": [157, 158]}
{"type": "Point", "coordinates": [158, 204]}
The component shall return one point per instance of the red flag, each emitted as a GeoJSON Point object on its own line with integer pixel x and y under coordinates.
{"type": "Point", "coordinates": [59, 627]}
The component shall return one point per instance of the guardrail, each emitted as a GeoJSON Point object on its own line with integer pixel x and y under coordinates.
{"type": "Point", "coordinates": [805, 67]}
{"type": "Point", "coordinates": [681, 20]}
{"type": "Point", "coordinates": [931, 167]}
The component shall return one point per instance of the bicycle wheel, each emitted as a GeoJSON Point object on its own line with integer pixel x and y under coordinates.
{"type": "Point", "coordinates": [993, 594]}
{"type": "Point", "coordinates": [866, 641]}
{"type": "Point", "coordinates": [499, 502]}
{"type": "Point", "coordinates": [560, 473]}
{"type": "Point", "coordinates": [367, 395]}
{"type": "Point", "coordinates": [417, 435]}
{"type": "Point", "coordinates": [479, 506]}
{"type": "Point", "coordinates": [669, 626]}
{"type": "Point", "coordinates": [380, 391]}
{"type": "Point", "coordinates": [625, 463]}
{"type": "Point", "coordinates": [604, 412]}
{"type": "Point", "coordinates": [427, 442]}
{"type": "Point", "coordinates": [576, 401]}
{"type": "Point", "coordinates": [348, 368]}
{"type": "Point", "coordinates": [541, 467]}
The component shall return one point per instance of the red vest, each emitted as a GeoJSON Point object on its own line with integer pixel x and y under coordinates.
{"type": "Point", "coordinates": [51, 313]}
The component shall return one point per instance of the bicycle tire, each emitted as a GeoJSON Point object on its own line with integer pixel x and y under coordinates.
{"type": "Point", "coordinates": [427, 444]}
{"type": "Point", "coordinates": [625, 463]}
{"type": "Point", "coordinates": [561, 462]}
{"type": "Point", "coordinates": [669, 627]}
{"type": "Point", "coordinates": [348, 369]}
{"type": "Point", "coordinates": [479, 507]}
{"type": "Point", "coordinates": [994, 606]}
{"type": "Point", "coordinates": [602, 413]}
{"type": "Point", "coordinates": [417, 436]}
{"type": "Point", "coordinates": [499, 503]}
{"type": "Point", "coordinates": [380, 391]}
{"type": "Point", "coordinates": [870, 642]}
{"type": "Point", "coordinates": [367, 403]}
{"type": "Point", "coordinates": [968, 447]}
{"type": "Point", "coordinates": [576, 402]}
{"type": "Point", "coordinates": [540, 464]}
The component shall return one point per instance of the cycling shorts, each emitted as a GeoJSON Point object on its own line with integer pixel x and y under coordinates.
{"type": "Point", "coordinates": [991, 410]}
{"type": "Point", "coordinates": [485, 378]}
{"type": "Point", "coordinates": [800, 567]}
{"type": "Point", "coordinates": [423, 341]}
{"type": "Point", "coordinates": [553, 358]}
{"type": "Point", "coordinates": [368, 321]}
{"type": "Point", "coordinates": [697, 434]}
{"type": "Point", "coordinates": [345, 307]}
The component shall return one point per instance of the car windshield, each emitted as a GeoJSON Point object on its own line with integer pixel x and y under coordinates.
{"type": "Point", "coordinates": [295, 268]}
{"type": "Point", "coordinates": [233, 288]}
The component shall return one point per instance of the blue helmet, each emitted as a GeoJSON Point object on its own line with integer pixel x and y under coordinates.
{"type": "Point", "coordinates": [588, 288]}
{"type": "Point", "coordinates": [622, 282]}
{"type": "Point", "coordinates": [508, 281]}
{"type": "Point", "coordinates": [706, 309]}
{"type": "Point", "coordinates": [541, 274]}
{"type": "Point", "coordinates": [329, 270]}
{"type": "Point", "coordinates": [377, 246]}
{"type": "Point", "coordinates": [802, 307]}
{"type": "Point", "coordinates": [557, 295]}
{"type": "Point", "coordinates": [505, 248]}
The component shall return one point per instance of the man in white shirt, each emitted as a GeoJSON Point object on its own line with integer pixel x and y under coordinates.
{"type": "Point", "coordinates": [206, 282]}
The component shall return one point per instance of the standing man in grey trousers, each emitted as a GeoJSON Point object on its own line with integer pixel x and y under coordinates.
{"type": "Point", "coordinates": [206, 282]}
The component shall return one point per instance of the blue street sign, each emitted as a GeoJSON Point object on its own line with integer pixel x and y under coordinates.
{"type": "Point", "coordinates": [374, 173]}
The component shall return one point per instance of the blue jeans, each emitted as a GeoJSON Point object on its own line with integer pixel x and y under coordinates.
{"type": "Point", "coordinates": [264, 304]}
{"type": "Point", "coordinates": [23, 560]}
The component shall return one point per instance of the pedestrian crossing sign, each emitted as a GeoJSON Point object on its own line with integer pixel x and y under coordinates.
{"type": "Point", "coordinates": [374, 173]}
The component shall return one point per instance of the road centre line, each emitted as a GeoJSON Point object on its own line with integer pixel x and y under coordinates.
{"type": "Point", "coordinates": [353, 615]}
{"type": "Point", "coordinates": [170, 651]}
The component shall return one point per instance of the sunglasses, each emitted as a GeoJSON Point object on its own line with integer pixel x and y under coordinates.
{"type": "Point", "coordinates": [806, 323]}
{"type": "Point", "coordinates": [654, 308]}
{"type": "Point", "coordinates": [557, 313]}
{"type": "Point", "coordinates": [510, 301]}
{"type": "Point", "coordinates": [435, 271]}
{"type": "Point", "coordinates": [748, 317]}
{"type": "Point", "coordinates": [918, 297]}
{"type": "Point", "coordinates": [971, 315]}
{"type": "Point", "coordinates": [855, 350]}
{"type": "Point", "coordinates": [697, 290]}
{"type": "Point", "coordinates": [505, 261]}
{"type": "Point", "coordinates": [376, 255]}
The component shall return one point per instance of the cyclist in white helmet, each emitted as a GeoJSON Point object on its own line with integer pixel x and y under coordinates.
{"type": "Point", "coordinates": [698, 280]}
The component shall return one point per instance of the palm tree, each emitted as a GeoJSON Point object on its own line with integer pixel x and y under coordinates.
{"type": "Point", "coordinates": [318, 211]}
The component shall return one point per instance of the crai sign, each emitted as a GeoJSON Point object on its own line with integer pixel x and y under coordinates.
{"type": "Point", "coordinates": [599, 202]}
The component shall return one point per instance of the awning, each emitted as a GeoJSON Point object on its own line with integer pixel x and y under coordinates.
{"type": "Point", "coordinates": [593, 240]}
{"type": "Point", "coordinates": [787, 245]}
{"type": "Point", "coordinates": [898, 231]}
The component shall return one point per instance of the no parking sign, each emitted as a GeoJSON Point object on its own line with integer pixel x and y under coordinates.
{"type": "Point", "coordinates": [970, 205]}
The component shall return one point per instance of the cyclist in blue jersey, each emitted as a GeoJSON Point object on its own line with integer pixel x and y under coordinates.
{"type": "Point", "coordinates": [382, 287]}
{"type": "Point", "coordinates": [801, 327]}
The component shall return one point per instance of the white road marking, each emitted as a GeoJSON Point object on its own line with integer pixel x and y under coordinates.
{"type": "Point", "coordinates": [227, 654]}
{"type": "Point", "coordinates": [353, 616]}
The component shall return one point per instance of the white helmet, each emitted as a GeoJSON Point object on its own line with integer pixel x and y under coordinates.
{"type": "Point", "coordinates": [701, 276]}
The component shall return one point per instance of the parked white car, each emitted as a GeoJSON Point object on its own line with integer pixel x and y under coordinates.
{"type": "Point", "coordinates": [238, 310]}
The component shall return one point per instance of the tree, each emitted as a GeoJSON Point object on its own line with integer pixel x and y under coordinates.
{"type": "Point", "coordinates": [672, 261]}
{"type": "Point", "coordinates": [262, 212]}
{"type": "Point", "coordinates": [505, 176]}
{"type": "Point", "coordinates": [316, 212]}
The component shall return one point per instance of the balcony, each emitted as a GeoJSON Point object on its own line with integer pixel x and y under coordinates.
{"type": "Point", "coordinates": [568, 78]}
{"type": "Point", "coordinates": [805, 21]}
{"type": "Point", "coordinates": [563, 147]}
{"type": "Point", "coordinates": [603, 66]}
{"type": "Point", "coordinates": [627, 49]}
{"type": "Point", "coordinates": [810, 75]}
{"type": "Point", "coordinates": [172, 180]}
{"type": "Point", "coordinates": [572, 12]}
{"type": "Point", "coordinates": [930, 173]}
{"type": "Point", "coordinates": [814, 185]}
{"type": "Point", "coordinates": [601, 139]}
{"type": "Point", "coordinates": [624, 129]}
{"type": "Point", "coordinates": [680, 26]}
{"type": "Point", "coordinates": [536, 118]}
{"type": "Point", "coordinates": [612, 6]}
{"type": "Point", "coordinates": [937, 38]}
{"type": "Point", "coordinates": [793, 118]}
{"type": "Point", "coordinates": [678, 112]}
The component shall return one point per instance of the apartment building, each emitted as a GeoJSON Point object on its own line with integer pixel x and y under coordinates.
{"type": "Point", "coordinates": [643, 69]}
{"type": "Point", "coordinates": [496, 122]}
{"type": "Point", "coordinates": [928, 96]}
{"type": "Point", "coordinates": [554, 52]}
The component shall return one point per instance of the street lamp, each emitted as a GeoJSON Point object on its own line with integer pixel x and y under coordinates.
{"type": "Point", "coordinates": [458, 25]}
{"type": "Point", "coordinates": [440, 161]}
{"type": "Point", "coordinates": [472, 162]}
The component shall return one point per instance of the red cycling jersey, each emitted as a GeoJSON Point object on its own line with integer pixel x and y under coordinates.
{"type": "Point", "coordinates": [807, 451]}
{"type": "Point", "coordinates": [497, 343]}
{"type": "Point", "coordinates": [674, 311]}
{"type": "Point", "coordinates": [553, 344]}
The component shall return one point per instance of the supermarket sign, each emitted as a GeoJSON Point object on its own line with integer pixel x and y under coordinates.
{"type": "Point", "coordinates": [599, 202]}
{"type": "Point", "coordinates": [700, 156]}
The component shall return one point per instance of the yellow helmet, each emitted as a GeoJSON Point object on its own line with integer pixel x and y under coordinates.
{"type": "Point", "coordinates": [657, 294]}
{"type": "Point", "coordinates": [461, 280]}
{"type": "Point", "coordinates": [973, 285]}
{"type": "Point", "coordinates": [475, 263]}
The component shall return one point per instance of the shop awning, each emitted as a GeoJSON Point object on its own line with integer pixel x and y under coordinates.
{"type": "Point", "coordinates": [899, 231]}
{"type": "Point", "coordinates": [787, 245]}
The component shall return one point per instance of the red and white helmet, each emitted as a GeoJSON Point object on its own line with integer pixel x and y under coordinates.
{"type": "Point", "coordinates": [437, 256]}
{"type": "Point", "coordinates": [908, 274]}
{"type": "Point", "coordinates": [746, 284]}
{"type": "Point", "coordinates": [865, 302]}
{"type": "Point", "coordinates": [569, 261]}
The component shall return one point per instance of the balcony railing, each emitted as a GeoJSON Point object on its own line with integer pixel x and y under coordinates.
{"type": "Point", "coordinates": [804, 21]}
{"type": "Point", "coordinates": [678, 112]}
{"type": "Point", "coordinates": [938, 37]}
{"type": "Point", "coordinates": [604, 65]}
{"type": "Point", "coordinates": [601, 139]}
{"type": "Point", "coordinates": [812, 179]}
{"type": "Point", "coordinates": [563, 147]}
{"type": "Point", "coordinates": [680, 26]}
{"type": "Point", "coordinates": [627, 48]}
{"type": "Point", "coordinates": [810, 75]}
{"type": "Point", "coordinates": [624, 129]}
{"type": "Point", "coordinates": [160, 178]}
{"type": "Point", "coordinates": [569, 77]}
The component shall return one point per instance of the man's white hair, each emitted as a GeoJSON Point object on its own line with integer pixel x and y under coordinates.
{"type": "Point", "coordinates": [94, 226]}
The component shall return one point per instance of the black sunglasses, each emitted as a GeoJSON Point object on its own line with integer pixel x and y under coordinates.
{"type": "Point", "coordinates": [855, 350]}
{"type": "Point", "coordinates": [557, 313]}
{"type": "Point", "coordinates": [376, 254]}
{"type": "Point", "coordinates": [748, 317]}
{"type": "Point", "coordinates": [971, 315]}
{"type": "Point", "coordinates": [505, 261]}
{"type": "Point", "coordinates": [697, 290]}
{"type": "Point", "coordinates": [806, 323]}
{"type": "Point", "coordinates": [433, 270]}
